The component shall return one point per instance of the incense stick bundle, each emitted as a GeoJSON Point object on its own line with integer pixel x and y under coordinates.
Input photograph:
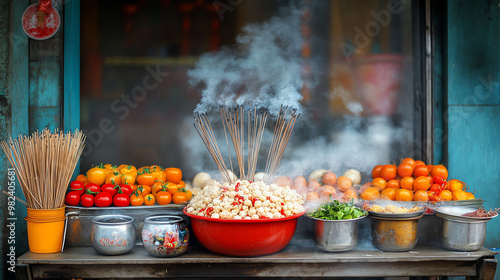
{"type": "Point", "coordinates": [44, 163]}
{"type": "Point", "coordinates": [233, 121]}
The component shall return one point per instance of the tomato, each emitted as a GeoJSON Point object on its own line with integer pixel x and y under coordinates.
{"type": "Point", "coordinates": [407, 183]}
{"type": "Point", "coordinates": [81, 178]}
{"type": "Point", "coordinates": [182, 185]}
{"type": "Point", "coordinates": [189, 194]}
{"type": "Point", "coordinates": [172, 188]}
{"type": "Point", "coordinates": [421, 183]}
{"type": "Point", "coordinates": [109, 188]}
{"type": "Point", "coordinates": [420, 170]}
{"type": "Point", "coordinates": [97, 174]}
{"type": "Point", "coordinates": [180, 197]}
{"type": "Point", "coordinates": [149, 199]}
{"type": "Point", "coordinates": [158, 172]}
{"type": "Point", "coordinates": [113, 177]}
{"type": "Point", "coordinates": [72, 198]}
{"type": "Point", "coordinates": [121, 200]}
{"type": "Point", "coordinates": [103, 199]}
{"type": "Point", "coordinates": [419, 162]}
{"type": "Point", "coordinates": [445, 195]}
{"type": "Point", "coordinates": [376, 171]}
{"type": "Point", "coordinates": [371, 193]}
{"type": "Point", "coordinates": [136, 199]}
{"type": "Point", "coordinates": [393, 184]}
{"type": "Point", "coordinates": [145, 177]}
{"type": "Point", "coordinates": [388, 194]}
{"type": "Point", "coordinates": [157, 187]}
{"type": "Point", "coordinates": [421, 196]}
{"type": "Point", "coordinates": [409, 160]}
{"type": "Point", "coordinates": [87, 200]}
{"type": "Point", "coordinates": [388, 172]}
{"type": "Point", "coordinates": [436, 188]}
{"type": "Point", "coordinates": [173, 175]}
{"type": "Point", "coordinates": [439, 171]}
{"type": "Point", "coordinates": [92, 187]}
{"type": "Point", "coordinates": [379, 183]}
{"type": "Point", "coordinates": [405, 169]}
{"type": "Point", "coordinates": [77, 186]}
{"type": "Point", "coordinates": [429, 167]}
{"type": "Point", "coordinates": [125, 189]}
{"type": "Point", "coordinates": [163, 197]}
{"type": "Point", "coordinates": [144, 189]}
{"type": "Point", "coordinates": [128, 173]}
{"type": "Point", "coordinates": [404, 195]}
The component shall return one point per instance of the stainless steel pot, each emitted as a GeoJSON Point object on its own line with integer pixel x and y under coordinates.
{"type": "Point", "coordinates": [336, 235]}
{"type": "Point", "coordinates": [165, 236]}
{"type": "Point", "coordinates": [462, 235]}
{"type": "Point", "coordinates": [113, 234]}
{"type": "Point", "coordinates": [395, 234]}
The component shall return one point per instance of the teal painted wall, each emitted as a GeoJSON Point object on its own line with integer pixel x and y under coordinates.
{"type": "Point", "coordinates": [473, 101]}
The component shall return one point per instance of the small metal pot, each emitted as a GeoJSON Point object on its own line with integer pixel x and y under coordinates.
{"type": "Point", "coordinates": [458, 235]}
{"type": "Point", "coordinates": [336, 235]}
{"type": "Point", "coordinates": [165, 236]}
{"type": "Point", "coordinates": [395, 234]}
{"type": "Point", "coordinates": [113, 234]}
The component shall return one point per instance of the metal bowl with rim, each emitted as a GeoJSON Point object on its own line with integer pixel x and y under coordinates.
{"type": "Point", "coordinates": [336, 235]}
{"type": "Point", "coordinates": [113, 234]}
{"type": "Point", "coordinates": [461, 233]}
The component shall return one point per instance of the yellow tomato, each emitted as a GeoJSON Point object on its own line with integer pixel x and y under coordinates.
{"type": "Point", "coordinates": [97, 175]}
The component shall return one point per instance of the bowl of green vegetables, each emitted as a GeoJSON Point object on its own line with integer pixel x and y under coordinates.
{"type": "Point", "coordinates": [336, 225]}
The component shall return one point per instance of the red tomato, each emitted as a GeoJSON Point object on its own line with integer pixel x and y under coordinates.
{"type": "Point", "coordinates": [435, 188]}
{"type": "Point", "coordinates": [76, 186]}
{"type": "Point", "coordinates": [126, 189]}
{"type": "Point", "coordinates": [420, 170]}
{"type": "Point", "coordinates": [121, 200]}
{"type": "Point", "coordinates": [103, 199]}
{"type": "Point", "coordinates": [87, 200]}
{"type": "Point", "coordinates": [92, 187]}
{"type": "Point", "coordinates": [72, 198]}
{"type": "Point", "coordinates": [109, 188]}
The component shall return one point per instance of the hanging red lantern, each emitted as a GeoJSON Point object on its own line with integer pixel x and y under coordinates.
{"type": "Point", "coordinates": [40, 20]}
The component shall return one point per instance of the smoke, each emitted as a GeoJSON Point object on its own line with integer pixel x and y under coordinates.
{"type": "Point", "coordinates": [263, 69]}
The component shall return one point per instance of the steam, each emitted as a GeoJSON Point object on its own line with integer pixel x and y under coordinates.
{"type": "Point", "coordinates": [264, 68]}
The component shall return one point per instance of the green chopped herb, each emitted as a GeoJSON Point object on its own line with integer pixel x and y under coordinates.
{"type": "Point", "coordinates": [336, 210]}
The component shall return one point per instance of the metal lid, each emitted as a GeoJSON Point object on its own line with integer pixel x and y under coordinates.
{"type": "Point", "coordinates": [163, 219]}
{"type": "Point", "coordinates": [396, 215]}
{"type": "Point", "coordinates": [112, 220]}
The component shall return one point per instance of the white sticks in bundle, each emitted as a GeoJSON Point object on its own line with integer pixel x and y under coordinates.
{"type": "Point", "coordinates": [44, 163]}
{"type": "Point", "coordinates": [233, 121]}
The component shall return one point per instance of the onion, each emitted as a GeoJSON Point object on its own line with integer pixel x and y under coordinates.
{"type": "Point", "coordinates": [200, 180]}
{"type": "Point", "coordinates": [354, 175]}
{"type": "Point", "coordinates": [316, 174]}
{"type": "Point", "coordinates": [259, 176]}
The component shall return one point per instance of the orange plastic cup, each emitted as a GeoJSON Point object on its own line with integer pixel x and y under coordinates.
{"type": "Point", "coordinates": [45, 230]}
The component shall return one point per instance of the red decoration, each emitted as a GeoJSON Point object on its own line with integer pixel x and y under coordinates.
{"type": "Point", "coordinates": [41, 21]}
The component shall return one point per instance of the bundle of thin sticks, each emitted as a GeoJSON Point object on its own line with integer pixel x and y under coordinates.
{"type": "Point", "coordinates": [233, 121]}
{"type": "Point", "coordinates": [44, 163]}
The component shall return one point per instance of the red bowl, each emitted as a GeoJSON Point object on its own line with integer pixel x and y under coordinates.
{"type": "Point", "coordinates": [244, 238]}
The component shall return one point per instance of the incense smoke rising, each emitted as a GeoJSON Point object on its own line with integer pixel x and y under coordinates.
{"type": "Point", "coordinates": [263, 69]}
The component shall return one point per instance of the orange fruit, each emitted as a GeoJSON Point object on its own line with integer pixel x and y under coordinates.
{"type": "Point", "coordinates": [344, 183]}
{"type": "Point", "coordinates": [407, 183]}
{"type": "Point", "coordinates": [445, 195]}
{"type": "Point", "coordinates": [405, 169]}
{"type": "Point", "coordinates": [429, 167]}
{"type": "Point", "coordinates": [388, 172]}
{"type": "Point", "coordinates": [420, 170]}
{"type": "Point", "coordinates": [455, 185]}
{"type": "Point", "coordinates": [326, 191]}
{"type": "Point", "coordinates": [459, 195]}
{"type": "Point", "coordinates": [419, 162]}
{"type": "Point", "coordinates": [470, 195]}
{"type": "Point", "coordinates": [410, 161]}
{"type": "Point", "coordinates": [439, 171]}
{"type": "Point", "coordinates": [376, 171]}
{"type": "Point", "coordinates": [388, 194]}
{"type": "Point", "coordinates": [370, 193]}
{"type": "Point", "coordinates": [312, 196]}
{"type": "Point", "coordinates": [379, 183]}
{"type": "Point", "coordinates": [404, 195]}
{"type": "Point", "coordinates": [421, 183]}
{"type": "Point", "coordinates": [420, 196]}
{"type": "Point", "coordinates": [350, 194]}
{"type": "Point", "coordinates": [393, 184]}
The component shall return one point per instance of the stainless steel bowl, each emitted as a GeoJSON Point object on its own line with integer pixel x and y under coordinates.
{"type": "Point", "coordinates": [336, 235]}
{"type": "Point", "coordinates": [395, 234]}
{"type": "Point", "coordinates": [165, 236]}
{"type": "Point", "coordinates": [113, 234]}
{"type": "Point", "coordinates": [460, 233]}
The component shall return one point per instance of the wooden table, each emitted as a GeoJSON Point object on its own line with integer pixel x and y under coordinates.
{"type": "Point", "coordinates": [293, 261]}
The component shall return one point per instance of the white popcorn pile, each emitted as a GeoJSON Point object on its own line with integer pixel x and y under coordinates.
{"type": "Point", "coordinates": [246, 200]}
